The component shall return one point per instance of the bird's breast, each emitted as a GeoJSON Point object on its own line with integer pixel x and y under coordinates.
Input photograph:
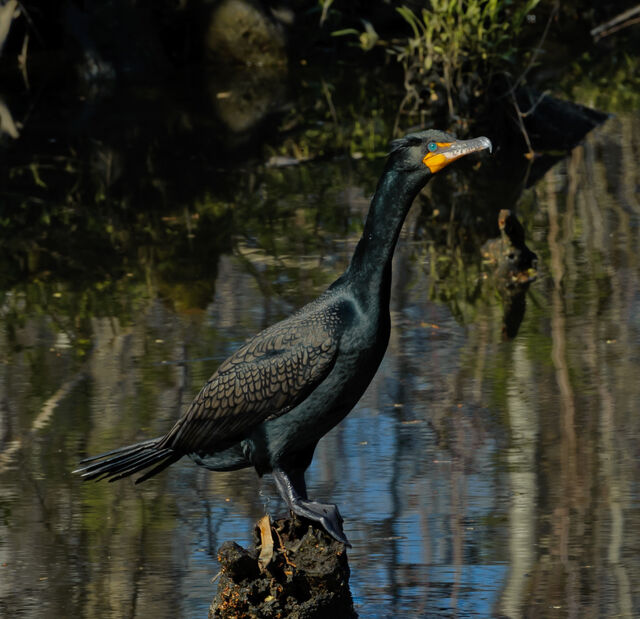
{"type": "Point", "coordinates": [301, 428]}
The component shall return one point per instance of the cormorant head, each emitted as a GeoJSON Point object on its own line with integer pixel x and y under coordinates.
{"type": "Point", "coordinates": [432, 150]}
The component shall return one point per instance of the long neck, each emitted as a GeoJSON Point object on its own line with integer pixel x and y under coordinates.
{"type": "Point", "coordinates": [371, 262]}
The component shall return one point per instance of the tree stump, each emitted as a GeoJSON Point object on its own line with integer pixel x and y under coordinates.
{"type": "Point", "coordinates": [294, 571]}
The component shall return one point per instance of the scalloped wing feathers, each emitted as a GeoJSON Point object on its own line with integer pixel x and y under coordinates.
{"type": "Point", "coordinates": [267, 377]}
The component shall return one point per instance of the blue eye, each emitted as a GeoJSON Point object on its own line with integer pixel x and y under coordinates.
{"type": "Point", "coordinates": [432, 146]}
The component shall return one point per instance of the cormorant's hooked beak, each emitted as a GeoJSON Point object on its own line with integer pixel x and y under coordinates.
{"type": "Point", "coordinates": [448, 152]}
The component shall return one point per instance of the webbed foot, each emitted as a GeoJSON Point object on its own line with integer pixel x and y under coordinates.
{"type": "Point", "coordinates": [326, 514]}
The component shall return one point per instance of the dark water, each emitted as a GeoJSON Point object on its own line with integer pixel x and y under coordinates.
{"type": "Point", "coordinates": [478, 477]}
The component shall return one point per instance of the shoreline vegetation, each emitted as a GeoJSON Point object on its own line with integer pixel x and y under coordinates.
{"type": "Point", "coordinates": [88, 150]}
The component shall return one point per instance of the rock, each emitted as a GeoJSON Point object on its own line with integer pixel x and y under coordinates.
{"type": "Point", "coordinates": [247, 56]}
{"type": "Point", "coordinates": [240, 33]}
{"type": "Point", "coordinates": [246, 97]}
{"type": "Point", "coordinates": [304, 575]}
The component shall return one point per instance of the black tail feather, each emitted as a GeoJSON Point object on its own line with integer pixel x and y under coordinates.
{"type": "Point", "coordinates": [115, 464]}
{"type": "Point", "coordinates": [120, 451]}
{"type": "Point", "coordinates": [125, 461]}
{"type": "Point", "coordinates": [133, 464]}
{"type": "Point", "coordinates": [140, 464]}
{"type": "Point", "coordinates": [161, 467]}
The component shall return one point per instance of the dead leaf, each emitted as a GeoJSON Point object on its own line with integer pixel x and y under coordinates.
{"type": "Point", "coordinates": [266, 550]}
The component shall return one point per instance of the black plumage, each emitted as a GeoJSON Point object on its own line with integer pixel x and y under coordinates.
{"type": "Point", "coordinates": [513, 262]}
{"type": "Point", "coordinates": [268, 405]}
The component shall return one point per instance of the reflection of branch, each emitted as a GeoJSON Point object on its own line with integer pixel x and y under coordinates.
{"type": "Point", "coordinates": [8, 12]}
{"type": "Point", "coordinates": [7, 124]}
{"type": "Point", "coordinates": [533, 107]}
{"type": "Point", "coordinates": [620, 21]}
{"type": "Point", "coordinates": [264, 285]}
{"type": "Point", "coordinates": [615, 29]}
{"type": "Point", "coordinates": [325, 10]}
{"type": "Point", "coordinates": [538, 48]}
{"type": "Point", "coordinates": [43, 418]}
{"type": "Point", "coordinates": [559, 352]}
{"type": "Point", "coordinates": [327, 95]}
{"type": "Point", "coordinates": [27, 16]}
{"type": "Point", "coordinates": [184, 360]}
{"type": "Point", "coordinates": [522, 474]}
{"type": "Point", "coordinates": [520, 116]}
{"type": "Point", "coordinates": [22, 60]}
{"type": "Point", "coordinates": [50, 405]}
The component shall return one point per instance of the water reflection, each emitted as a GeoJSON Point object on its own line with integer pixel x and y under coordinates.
{"type": "Point", "coordinates": [476, 476]}
{"type": "Point", "coordinates": [511, 267]}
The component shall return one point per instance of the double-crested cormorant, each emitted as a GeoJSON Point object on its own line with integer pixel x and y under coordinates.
{"type": "Point", "coordinates": [268, 405]}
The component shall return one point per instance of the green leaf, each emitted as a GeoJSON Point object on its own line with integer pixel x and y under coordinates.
{"type": "Point", "coordinates": [340, 33]}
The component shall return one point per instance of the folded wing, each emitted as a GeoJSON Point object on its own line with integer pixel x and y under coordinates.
{"type": "Point", "coordinates": [266, 378]}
